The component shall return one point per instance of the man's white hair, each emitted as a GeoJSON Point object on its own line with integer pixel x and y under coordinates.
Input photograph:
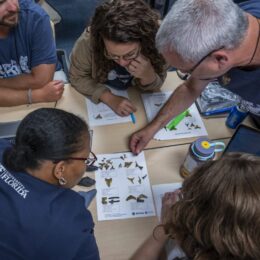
{"type": "Point", "coordinates": [194, 28]}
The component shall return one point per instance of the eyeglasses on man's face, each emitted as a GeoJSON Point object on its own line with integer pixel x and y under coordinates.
{"type": "Point", "coordinates": [186, 75]}
{"type": "Point", "coordinates": [129, 56]}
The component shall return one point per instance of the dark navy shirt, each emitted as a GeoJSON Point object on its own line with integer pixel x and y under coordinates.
{"type": "Point", "coordinates": [29, 44]}
{"type": "Point", "coordinates": [119, 78]}
{"type": "Point", "coordinates": [42, 221]}
{"type": "Point", "coordinates": [243, 82]}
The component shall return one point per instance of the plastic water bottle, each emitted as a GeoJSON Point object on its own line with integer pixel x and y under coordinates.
{"type": "Point", "coordinates": [200, 151]}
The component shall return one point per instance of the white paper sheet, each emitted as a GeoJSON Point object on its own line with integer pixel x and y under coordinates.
{"type": "Point", "coordinates": [158, 192]}
{"type": "Point", "coordinates": [101, 114]}
{"type": "Point", "coordinates": [123, 187]}
{"type": "Point", "coordinates": [172, 249]}
{"type": "Point", "coordinates": [191, 126]}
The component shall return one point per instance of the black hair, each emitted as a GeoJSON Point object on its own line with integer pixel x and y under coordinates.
{"type": "Point", "coordinates": [45, 134]}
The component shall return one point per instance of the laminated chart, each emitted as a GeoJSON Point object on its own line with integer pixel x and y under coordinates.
{"type": "Point", "coordinates": [123, 187]}
{"type": "Point", "coordinates": [185, 125]}
{"type": "Point", "coordinates": [100, 114]}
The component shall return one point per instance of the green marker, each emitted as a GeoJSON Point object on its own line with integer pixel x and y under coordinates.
{"type": "Point", "coordinates": [176, 120]}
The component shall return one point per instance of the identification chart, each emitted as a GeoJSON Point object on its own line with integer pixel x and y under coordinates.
{"type": "Point", "coordinates": [101, 114]}
{"type": "Point", "coordinates": [187, 124]}
{"type": "Point", "coordinates": [123, 187]}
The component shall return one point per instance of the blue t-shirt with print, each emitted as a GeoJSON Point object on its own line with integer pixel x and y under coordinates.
{"type": "Point", "coordinates": [242, 81]}
{"type": "Point", "coordinates": [42, 221]}
{"type": "Point", "coordinates": [28, 44]}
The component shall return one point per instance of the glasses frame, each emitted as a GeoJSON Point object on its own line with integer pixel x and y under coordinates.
{"type": "Point", "coordinates": [185, 76]}
{"type": "Point", "coordinates": [116, 57]}
{"type": "Point", "coordinates": [88, 161]}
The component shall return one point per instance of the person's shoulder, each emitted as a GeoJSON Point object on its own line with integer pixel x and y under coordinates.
{"type": "Point", "coordinates": [29, 7]}
{"type": "Point", "coordinates": [70, 206]}
{"type": "Point", "coordinates": [85, 38]}
{"type": "Point", "coordinates": [83, 44]}
{"type": "Point", "coordinates": [4, 144]}
{"type": "Point", "coordinates": [73, 201]}
{"type": "Point", "coordinates": [251, 6]}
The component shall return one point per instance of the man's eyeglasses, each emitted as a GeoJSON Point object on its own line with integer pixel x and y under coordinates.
{"type": "Point", "coordinates": [185, 76]}
{"type": "Point", "coordinates": [129, 56]}
{"type": "Point", "coordinates": [88, 161]}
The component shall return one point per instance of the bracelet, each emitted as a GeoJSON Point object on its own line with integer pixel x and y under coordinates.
{"type": "Point", "coordinates": [29, 96]}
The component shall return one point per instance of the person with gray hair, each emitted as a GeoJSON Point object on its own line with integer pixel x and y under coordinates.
{"type": "Point", "coordinates": [208, 40]}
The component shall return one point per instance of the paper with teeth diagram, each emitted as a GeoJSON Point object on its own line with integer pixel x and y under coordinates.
{"type": "Point", "coordinates": [123, 187]}
{"type": "Point", "coordinates": [187, 124]}
{"type": "Point", "coordinates": [101, 114]}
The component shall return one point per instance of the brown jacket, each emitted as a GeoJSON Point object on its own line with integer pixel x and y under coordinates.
{"type": "Point", "coordinates": [83, 71]}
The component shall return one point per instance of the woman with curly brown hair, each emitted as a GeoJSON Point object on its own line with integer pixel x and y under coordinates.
{"type": "Point", "coordinates": [216, 217]}
{"type": "Point", "coordinates": [118, 49]}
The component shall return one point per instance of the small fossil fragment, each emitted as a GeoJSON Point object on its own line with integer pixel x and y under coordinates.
{"type": "Point", "coordinates": [98, 116]}
{"type": "Point", "coordinates": [127, 164]}
{"type": "Point", "coordinates": [130, 197]}
{"type": "Point", "coordinates": [104, 200]}
{"type": "Point", "coordinates": [131, 179]}
{"type": "Point", "coordinates": [138, 166]}
{"type": "Point", "coordinates": [108, 181]}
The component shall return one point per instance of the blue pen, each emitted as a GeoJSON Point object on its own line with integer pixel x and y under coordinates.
{"type": "Point", "coordinates": [218, 111]}
{"type": "Point", "coordinates": [133, 118]}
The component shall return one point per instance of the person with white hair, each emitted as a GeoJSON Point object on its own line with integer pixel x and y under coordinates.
{"type": "Point", "coordinates": [208, 39]}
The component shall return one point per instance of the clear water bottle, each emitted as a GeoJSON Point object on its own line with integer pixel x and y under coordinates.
{"type": "Point", "coordinates": [200, 151]}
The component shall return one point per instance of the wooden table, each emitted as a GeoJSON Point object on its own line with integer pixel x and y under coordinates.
{"type": "Point", "coordinates": [118, 239]}
{"type": "Point", "coordinates": [119, 134]}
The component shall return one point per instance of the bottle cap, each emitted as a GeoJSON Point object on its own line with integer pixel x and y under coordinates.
{"type": "Point", "coordinates": [203, 149]}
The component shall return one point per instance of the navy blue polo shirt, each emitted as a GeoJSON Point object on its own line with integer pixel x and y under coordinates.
{"type": "Point", "coordinates": [39, 220]}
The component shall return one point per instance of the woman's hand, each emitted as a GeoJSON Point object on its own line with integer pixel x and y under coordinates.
{"type": "Point", "coordinates": [142, 69]}
{"type": "Point", "coordinates": [168, 200]}
{"type": "Point", "coordinates": [120, 105]}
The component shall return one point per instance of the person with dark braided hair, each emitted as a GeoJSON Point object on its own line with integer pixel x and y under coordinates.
{"type": "Point", "coordinates": [118, 49]}
{"type": "Point", "coordinates": [41, 217]}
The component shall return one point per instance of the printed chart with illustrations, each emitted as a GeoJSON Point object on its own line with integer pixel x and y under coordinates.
{"type": "Point", "coordinates": [123, 187]}
{"type": "Point", "coordinates": [187, 124]}
{"type": "Point", "coordinates": [101, 114]}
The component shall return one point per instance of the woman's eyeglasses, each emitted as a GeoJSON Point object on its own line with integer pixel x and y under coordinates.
{"type": "Point", "coordinates": [129, 56]}
{"type": "Point", "coordinates": [88, 161]}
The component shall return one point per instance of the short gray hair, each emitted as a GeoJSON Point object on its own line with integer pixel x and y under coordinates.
{"type": "Point", "coordinates": [194, 28]}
